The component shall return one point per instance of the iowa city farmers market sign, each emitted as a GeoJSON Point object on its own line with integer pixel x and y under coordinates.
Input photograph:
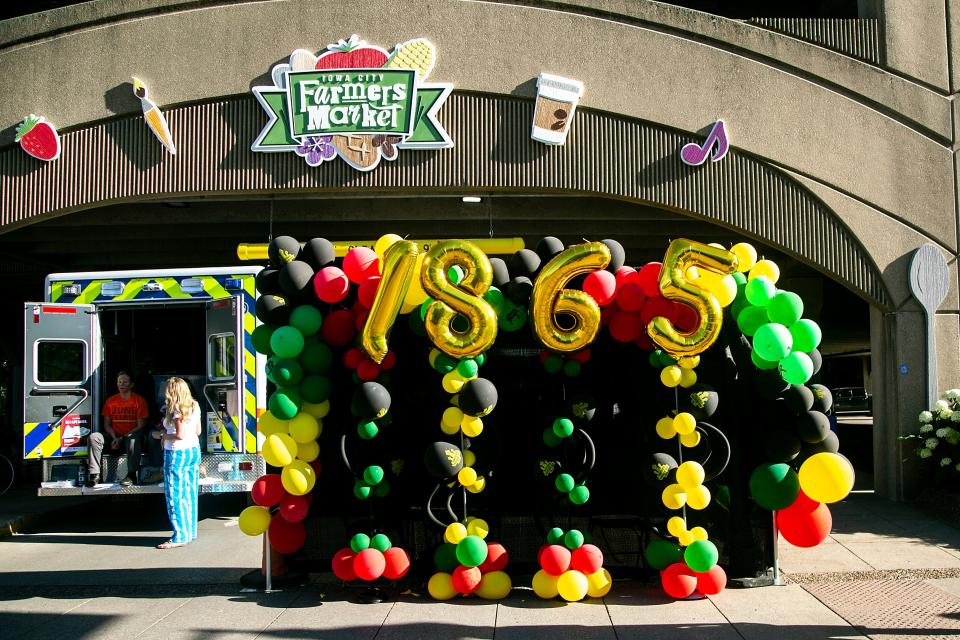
{"type": "Point", "coordinates": [356, 101]}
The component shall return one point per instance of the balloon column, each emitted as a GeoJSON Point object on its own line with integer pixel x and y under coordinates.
{"type": "Point", "coordinates": [370, 557]}
{"type": "Point", "coordinates": [570, 568]}
{"type": "Point", "coordinates": [466, 563]}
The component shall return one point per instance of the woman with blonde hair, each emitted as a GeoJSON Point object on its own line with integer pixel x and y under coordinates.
{"type": "Point", "coordinates": [181, 461]}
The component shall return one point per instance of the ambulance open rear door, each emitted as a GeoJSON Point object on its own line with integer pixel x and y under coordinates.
{"type": "Point", "coordinates": [223, 389]}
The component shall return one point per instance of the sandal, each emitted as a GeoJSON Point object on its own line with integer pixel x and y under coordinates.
{"type": "Point", "coordinates": [170, 544]}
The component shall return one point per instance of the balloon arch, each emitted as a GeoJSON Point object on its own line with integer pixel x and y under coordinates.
{"type": "Point", "coordinates": [318, 316]}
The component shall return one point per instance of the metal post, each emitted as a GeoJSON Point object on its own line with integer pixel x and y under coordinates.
{"type": "Point", "coordinates": [776, 553]}
{"type": "Point", "coordinates": [269, 569]}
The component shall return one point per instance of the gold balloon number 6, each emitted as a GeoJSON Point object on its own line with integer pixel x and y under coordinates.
{"type": "Point", "coordinates": [397, 270]}
{"type": "Point", "coordinates": [680, 256]}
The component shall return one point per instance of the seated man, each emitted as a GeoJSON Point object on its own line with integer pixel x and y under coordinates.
{"type": "Point", "coordinates": [124, 424]}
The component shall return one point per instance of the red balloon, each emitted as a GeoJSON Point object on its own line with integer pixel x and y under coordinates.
{"type": "Point", "coordinates": [657, 306]}
{"type": "Point", "coordinates": [368, 291]}
{"type": "Point", "coordinates": [368, 370]}
{"type": "Point", "coordinates": [804, 503]}
{"type": "Point", "coordinates": [369, 564]}
{"type": "Point", "coordinates": [644, 341]}
{"type": "Point", "coordinates": [343, 565]}
{"type": "Point", "coordinates": [625, 327]}
{"type": "Point", "coordinates": [630, 297]}
{"type": "Point", "coordinates": [687, 317]}
{"type": "Point", "coordinates": [397, 563]}
{"type": "Point", "coordinates": [331, 285]}
{"type": "Point", "coordinates": [317, 468]}
{"type": "Point", "coordinates": [650, 278]}
{"type": "Point", "coordinates": [678, 580]}
{"type": "Point", "coordinates": [582, 356]}
{"type": "Point", "coordinates": [360, 319]}
{"type": "Point", "coordinates": [805, 529]}
{"type": "Point", "coordinates": [353, 357]}
{"type": "Point", "coordinates": [497, 558]}
{"type": "Point", "coordinates": [388, 361]}
{"type": "Point", "coordinates": [626, 274]}
{"type": "Point", "coordinates": [286, 537]}
{"type": "Point", "coordinates": [606, 313]}
{"type": "Point", "coordinates": [337, 328]}
{"type": "Point", "coordinates": [294, 508]}
{"type": "Point", "coordinates": [361, 263]}
{"type": "Point", "coordinates": [712, 582]}
{"type": "Point", "coordinates": [587, 559]}
{"type": "Point", "coordinates": [466, 579]}
{"type": "Point", "coordinates": [268, 490]}
{"type": "Point", "coordinates": [601, 286]}
{"type": "Point", "coordinates": [554, 559]}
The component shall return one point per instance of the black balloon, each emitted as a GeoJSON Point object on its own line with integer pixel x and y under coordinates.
{"type": "Point", "coordinates": [617, 255]}
{"type": "Point", "coordinates": [830, 444]}
{"type": "Point", "coordinates": [799, 398]}
{"type": "Point", "coordinates": [371, 400]}
{"type": "Point", "coordinates": [296, 279]}
{"type": "Point", "coordinates": [548, 247]}
{"type": "Point", "coordinates": [283, 249]}
{"type": "Point", "coordinates": [817, 360]}
{"type": "Point", "coordinates": [659, 468]}
{"type": "Point", "coordinates": [822, 398]}
{"type": "Point", "coordinates": [273, 310]}
{"type": "Point", "coordinates": [478, 397]}
{"type": "Point", "coordinates": [770, 384]}
{"type": "Point", "coordinates": [501, 275]}
{"type": "Point", "coordinates": [583, 407]}
{"type": "Point", "coordinates": [519, 289]}
{"type": "Point", "coordinates": [443, 460]}
{"type": "Point", "coordinates": [268, 281]}
{"type": "Point", "coordinates": [524, 263]}
{"type": "Point", "coordinates": [700, 401]}
{"type": "Point", "coordinates": [812, 426]}
{"type": "Point", "coordinates": [318, 253]}
{"type": "Point", "coordinates": [780, 445]}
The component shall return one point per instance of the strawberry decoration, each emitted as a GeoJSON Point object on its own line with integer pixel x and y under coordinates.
{"type": "Point", "coordinates": [352, 54]}
{"type": "Point", "coordinates": [38, 138]}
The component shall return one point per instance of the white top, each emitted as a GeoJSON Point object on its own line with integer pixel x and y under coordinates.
{"type": "Point", "coordinates": [192, 426]}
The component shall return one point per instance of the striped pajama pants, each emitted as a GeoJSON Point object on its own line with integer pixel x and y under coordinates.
{"type": "Point", "coordinates": [181, 477]}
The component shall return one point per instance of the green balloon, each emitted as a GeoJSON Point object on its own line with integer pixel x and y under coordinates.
{"type": "Point", "coordinates": [307, 319]}
{"type": "Point", "coordinates": [471, 551]}
{"type": "Point", "coordinates": [579, 495]}
{"type": "Point", "coordinates": [495, 299]}
{"type": "Point", "coordinates": [468, 368]}
{"type": "Point", "coordinates": [284, 372]}
{"type": "Point", "coordinates": [361, 490]}
{"type": "Point", "coordinates": [740, 278]}
{"type": "Point", "coordinates": [774, 486]}
{"type": "Point", "coordinates": [261, 339]}
{"type": "Point", "coordinates": [666, 359]}
{"type": "Point", "coordinates": [553, 363]}
{"type": "Point", "coordinates": [367, 430]}
{"type": "Point", "coordinates": [564, 483]}
{"type": "Point", "coordinates": [806, 335]}
{"type": "Point", "coordinates": [772, 342]}
{"type": "Point", "coordinates": [555, 536]}
{"type": "Point", "coordinates": [359, 542]}
{"type": "Point", "coordinates": [423, 308]}
{"type": "Point", "coordinates": [316, 357]}
{"type": "Point", "coordinates": [571, 368]}
{"type": "Point", "coordinates": [455, 274]}
{"type": "Point", "coordinates": [514, 316]}
{"type": "Point", "coordinates": [762, 364]}
{"type": "Point", "coordinates": [373, 474]}
{"type": "Point", "coordinates": [415, 322]}
{"type": "Point", "coordinates": [315, 388]}
{"type": "Point", "coordinates": [785, 308]}
{"type": "Point", "coordinates": [701, 556]}
{"type": "Point", "coordinates": [660, 554]}
{"type": "Point", "coordinates": [480, 358]}
{"type": "Point", "coordinates": [563, 427]}
{"type": "Point", "coordinates": [796, 367]}
{"type": "Point", "coordinates": [573, 539]}
{"type": "Point", "coordinates": [739, 304]}
{"type": "Point", "coordinates": [460, 323]}
{"type": "Point", "coordinates": [445, 557]}
{"type": "Point", "coordinates": [445, 363]}
{"type": "Point", "coordinates": [760, 291]}
{"type": "Point", "coordinates": [382, 490]}
{"type": "Point", "coordinates": [550, 438]}
{"type": "Point", "coordinates": [287, 342]}
{"type": "Point", "coordinates": [285, 403]}
{"type": "Point", "coordinates": [654, 359]}
{"type": "Point", "coordinates": [380, 542]}
{"type": "Point", "coordinates": [751, 319]}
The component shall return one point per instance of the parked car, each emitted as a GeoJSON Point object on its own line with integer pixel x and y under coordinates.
{"type": "Point", "coordinates": [852, 400]}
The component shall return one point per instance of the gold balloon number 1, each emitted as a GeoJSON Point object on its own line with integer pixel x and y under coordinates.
{"type": "Point", "coordinates": [397, 270]}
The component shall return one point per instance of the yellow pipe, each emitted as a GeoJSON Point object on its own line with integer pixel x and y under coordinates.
{"type": "Point", "coordinates": [490, 246]}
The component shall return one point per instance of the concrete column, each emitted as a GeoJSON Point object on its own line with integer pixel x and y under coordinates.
{"type": "Point", "coordinates": [915, 39]}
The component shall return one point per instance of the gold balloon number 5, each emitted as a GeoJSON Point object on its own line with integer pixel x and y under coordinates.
{"type": "Point", "coordinates": [680, 256]}
{"type": "Point", "coordinates": [397, 271]}
{"type": "Point", "coordinates": [549, 299]}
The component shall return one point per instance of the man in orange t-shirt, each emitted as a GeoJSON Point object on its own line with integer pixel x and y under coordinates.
{"type": "Point", "coordinates": [124, 422]}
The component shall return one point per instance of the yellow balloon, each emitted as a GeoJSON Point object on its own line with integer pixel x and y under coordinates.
{"type": "Point", "coordinates": [680, 255]}
{"type": "Point", "coordinates": [826, 477]}
{"type": "Point", "coordinates": [406, 307]}
{"type": "Point", "coordinates": [465, 298]}
{"type": "Point", "coordinates": [440, 586]}
{"type": "Point", "coordinates": [674, 497]}
{"type": "Point", "coordinates": [467, 476]}
{"type": "Point", "coordinates": [698, 497]}
{"type": "Point", "coordinates": [572, 586]}
{"type": "Point", "coordinates": [478, 486]}
{"type": "Point", "coordinates": [304, 427]}
{"type": "Point", "coordinates": [665, 428]}
{"type": "Point", "coordinates": [766, 268]}
{"type": "Point", "coordinates": [455, 532]}
{"type": "Point", "coordinates": [494, 585]}
{"type": "Point", "coordinates": [746, 256]}
{"type": "Point", "coordinates": [397, 271]}
{"type": "Point", "coordinates": [689, 475]}
{"type": "Point", "coordinates": [690, 440]}
{"type": "Point", "coordinates": [726, 292]}
{"type": "Point", "coordinates": [688, 378]}
{"type": "Point", "coordinates": [685, 539]}
{"type": "Point", "coordinates": [699, 533]}
{"type": "Point", "coordinates": [432, 357]}
{"type": "Point", "coordinates": [549, 299]}
{"type": "Point", "coordinates": [688, 362]}
{"type": "Point", "coordinates": [670, 376]}
{"type": "Point", "coordinates": [599, 583]}
{"type": "Point", "coordinates": [478, 527]}
{"type": "Point", "coordinates": [452, 416]}
{"type": "Point", "coordinates": [254, 520]}
{"type": "Point", "coordinates": [416, 296]}
{"type": "Point", "coordinates": [318, 411]}
{"type": "Point", "coordinates": [279, 450]}
{"type": "Point", "coordinates": [298, 478]}
{"type": "Point", "coordinates": [308, 451]}
{"type": "Point", "coordinates": [472, 427]}
{"type": "Point", "coordinates": [545, 585]}
{"type": "Point", "coordinates": [452, 382]}
{"type": "Point", "coordinates": [676, 526]}
{"type": "Point", "coordinates": [469, 458]}
{"type": "Point", "coordinates": [684, 423]}
{"type": "Point", "coordinates": [270, 424]}
{"type": "Point", "coordinates": [383, 243]}
{"type": "Point", "coordinates": [447, 429]}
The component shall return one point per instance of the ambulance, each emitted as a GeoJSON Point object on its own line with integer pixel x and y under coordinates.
{"type": "Point", "coordinates": [195, 324]}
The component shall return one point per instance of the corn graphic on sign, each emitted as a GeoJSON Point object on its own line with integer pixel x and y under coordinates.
{"type": "Point", "coordinates": [355, 101]}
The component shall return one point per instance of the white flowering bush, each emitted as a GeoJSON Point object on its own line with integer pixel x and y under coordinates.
{"type": "Point", "coordinates": [938, 437]}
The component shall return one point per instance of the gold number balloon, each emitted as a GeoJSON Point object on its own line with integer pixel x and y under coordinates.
{"type": "Point", "coordinates": [550, 299]}
{"type": "Point", "coordinates": [465, 298]}
{"type": "Point", "coordinates": [396, 273]}
{"type": "Point", "coordinates": [681, 255]}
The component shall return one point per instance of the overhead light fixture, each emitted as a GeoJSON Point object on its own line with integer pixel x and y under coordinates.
{"type": "Point", "coordinates": [472, 199]}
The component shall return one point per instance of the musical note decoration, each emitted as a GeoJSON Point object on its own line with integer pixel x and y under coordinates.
{"type": "Point", "coordinates": [694, 155]}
